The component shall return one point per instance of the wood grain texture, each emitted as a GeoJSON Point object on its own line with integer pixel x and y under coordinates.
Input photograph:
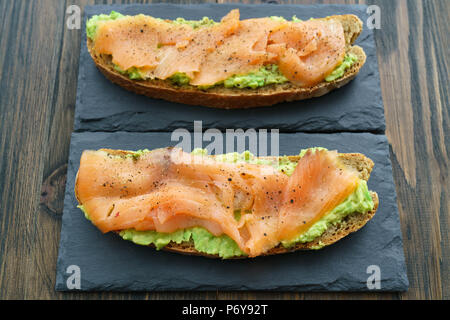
{"type": "Point", "coordinates": [38, 66]}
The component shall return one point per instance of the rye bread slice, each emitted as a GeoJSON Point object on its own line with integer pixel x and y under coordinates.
{"type": "Point", "coordinates": [351, 223]}
{"type": "Point", "coordinates": [233, 98]}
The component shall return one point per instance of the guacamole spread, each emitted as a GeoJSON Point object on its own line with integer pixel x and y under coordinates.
{"type": "Point", "coordinates": [205, 22]}
{"type": "Point", "coordinates": [266, 75]}
{"type": "Point", "coordinates": [92, 23]}
{"type": "Point", "coordinates": [359, 201]}
{"type": "Point", "coordinates": [202, 239]}
{"type": "Point", "coordinates": [339, 71]}
{"type": "Point", "coordinates": [86, 215]}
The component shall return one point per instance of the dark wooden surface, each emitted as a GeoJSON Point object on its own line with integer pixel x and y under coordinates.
{"type": "Point", "coordinates": [38, 66]}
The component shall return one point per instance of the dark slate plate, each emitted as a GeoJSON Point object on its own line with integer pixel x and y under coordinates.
{"type": "Point", "coordinates": [107, 262]}
{"type": "Point", "coordinates": [358, 106]}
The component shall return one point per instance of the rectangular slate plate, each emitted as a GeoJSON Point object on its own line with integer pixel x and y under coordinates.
{"type": "Point", "coordinates": [357, 107]}
{"type": "Point", "coordinates": [107, 262]}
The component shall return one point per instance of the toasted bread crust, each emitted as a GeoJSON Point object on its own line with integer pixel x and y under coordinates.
{"type": "Point", "coordinates": [233, 98]}
{"type": "Point", "coordinates": [351, 223]}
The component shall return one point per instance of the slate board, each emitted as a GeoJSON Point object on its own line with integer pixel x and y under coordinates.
{"type": "Point", "coordinates": [109, 263]}
{"type": "Point", "coordinates": [357, 107]}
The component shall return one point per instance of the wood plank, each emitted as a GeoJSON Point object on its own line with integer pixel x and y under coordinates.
{"type": "Point", "coordinates": [28, 73]}
{"type": "Point", "coordinates": [407, 81]}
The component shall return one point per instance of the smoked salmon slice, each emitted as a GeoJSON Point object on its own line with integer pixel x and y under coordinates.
{"type": "Point", "coordinates": [305, 51]}
{"type": "Point", "coordinates": [168, 190]}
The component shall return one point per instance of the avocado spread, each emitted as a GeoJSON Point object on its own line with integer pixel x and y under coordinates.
{"type": "Point", "coordinates": [266, 75]}
{"type": "Point", "coordinates": [86, 215]}
{"type": "Point", "coordinates": [359, 201]}
{"type": "Point", "coordinates": [202, 239]}
{"type": "Point", "coordinates": [339, 71]}
{"type": "Point", "coordinates": [278, 18]}
{"type": "Point", "coordinates": [92, 23]}
{"type": "Point", "coordinates": [205, 22]}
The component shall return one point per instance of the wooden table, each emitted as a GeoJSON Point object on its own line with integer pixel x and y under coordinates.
{"type": "Point", "coordinates": [39, 63]}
